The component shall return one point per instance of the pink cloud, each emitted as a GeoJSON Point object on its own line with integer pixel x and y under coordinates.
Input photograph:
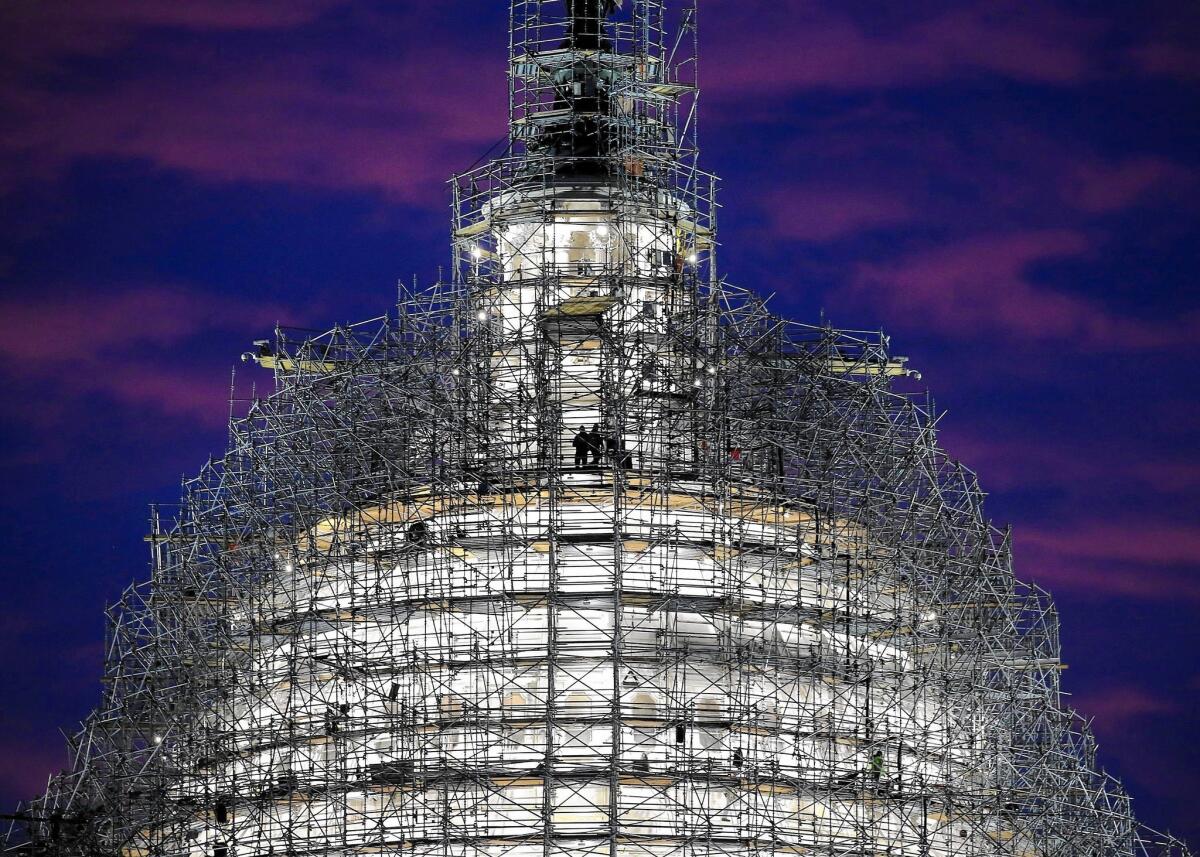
{"type": "Point", "coordinates": [73, 327]}
{"type": "Point", "coordinates": [1112, 552]}
{"type": "Point", "coordinates": [1128, 720]}
{"type": "Point", "coordinates": [176, 392]}
{"type": "Point", "coordinates": [1146, 559]}
{"type": "Point", "coordinates": [1097, 187]}
{"type": "Point", "coordinates": [42, 37]}
{"type": "Point", "coordinates": [780, 46]}
{"type": "Point", "coordinates": [206, 14]}
{"type": "Point", "coordinates": [97, 344]}
{"type": "Point", "coordinates": [983, 285]}
{"type": "Point", "coordinates": [397, 126]}
{"type": "Point", "coordinates": [69, 327]}
{"type": "Point", "coordinates": [132, 15]}
{"type": "Point", "coordinates": [400, 123]}
{"type": "Point", "coordinates": [1167, 59]}
{"type": "Point", "coordinates": [1168, 476]}
{"type": "Point", "coordinates": [1117, 708]}
{"type": "Point", "coordinates": [293, 111]}
{"type": "Point", "coordinates": [27, 766]}
{"type": "Point", "coordinates": [195, 15]}
{"type": "Point", "coordinates": [1004, 462]}
{"type": "Point", "coordinates": [821, 214]}
{"type": "Point", "coordinates": [1148, 542]}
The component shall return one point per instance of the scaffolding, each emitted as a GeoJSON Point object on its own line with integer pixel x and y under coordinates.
{"type": "Point", "coordinates": [583, 551]}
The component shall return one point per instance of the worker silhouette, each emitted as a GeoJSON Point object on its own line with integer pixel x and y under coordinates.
{"type": "Point", "coordinates": [595, 442]}
{"type": "Point", "coordinates": [581, 445]}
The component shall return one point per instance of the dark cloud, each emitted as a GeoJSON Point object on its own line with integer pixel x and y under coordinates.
{"type": "Point", "coordinates": [827, 213]}
{"type": "Point", "coordinates": [1170, 59]}
{"type": "Point", "coordinates": [124, 346]}
{"type": "Point", "coordinates": [781, 47]}
{"type": "Point", "coordinates": [1129, 555]}
{"type": "Point", "coordinates": [292, 112]}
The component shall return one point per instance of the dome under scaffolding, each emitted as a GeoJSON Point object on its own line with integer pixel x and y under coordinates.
{"type": "Point", "coordinates": [584, 551]}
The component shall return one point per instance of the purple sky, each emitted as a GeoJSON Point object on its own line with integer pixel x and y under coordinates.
{"type": "Point", "coordinates": [1008, 188]}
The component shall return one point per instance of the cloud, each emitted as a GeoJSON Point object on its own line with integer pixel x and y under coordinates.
{"type": "Point", "coordinates": [1099, 187]}
{"type": "Point", "coordinates": [1121, 540]}
{"type": "Point", "coordinates": [985, 285]}
{"type": "Point", "coordinates": [1016, 463]}
{"type": "Point", "coordinates": [1167, 59]}
{"type": "Point", "coordinates": [200, 14]}
{"type": "Point", "coordinates": [176, 392]}
{"type": "Point", "coordinates": [399, 127]}
{"type": "Point", "coordinates": [1115, 549]}
{"type": "Point", "coordinates": [27, 766]}
{"type": "Point", "coordinates": [820, 214]}
{"type": "Point", "coordinates": [777, 47]}
{"type": "Point", "coordinates": [277, 109]}
{"type": "Point", "coordinates": [1142, 558]}
{"type": "Point", "coordinates": [1117, 708]}
{"type": "Point", "coordinates": [42, 42]}
{"type": "Point", "coordinates": [123, 347]}
{"type": "Point", "coordinates": [69, 328]}
{"type": "Point", "coordinates": [48, 35]}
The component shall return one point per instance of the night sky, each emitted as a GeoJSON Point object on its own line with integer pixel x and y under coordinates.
{"type": "Point", "coordinates": [1007, 188]}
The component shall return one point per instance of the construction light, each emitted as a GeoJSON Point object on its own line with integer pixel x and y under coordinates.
{"type": "Point", "coordinates": [691, 258]}
{"type": "Point", "coordinates": [482, 315]}
{"type": "Point", "coordinates": [476, 252]}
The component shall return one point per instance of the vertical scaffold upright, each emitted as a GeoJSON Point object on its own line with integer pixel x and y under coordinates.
{"type": "Point", "coordinates": [583, 552]}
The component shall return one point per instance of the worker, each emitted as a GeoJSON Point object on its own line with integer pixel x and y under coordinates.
{"type": "Point", "coordinates": [876, 765]}
{"type": "Point", "coordinates": [581, 444]}
{"type": "Point", "coordinates": [595, 444]}
{"type": "Point", "coordinates": [610, 449]}
{"type": "Point", "coordinates": [418, 532]}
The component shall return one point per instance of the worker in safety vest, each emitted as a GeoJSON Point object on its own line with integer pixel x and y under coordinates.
{"type": "Point", "coordinates": [876, 765]}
